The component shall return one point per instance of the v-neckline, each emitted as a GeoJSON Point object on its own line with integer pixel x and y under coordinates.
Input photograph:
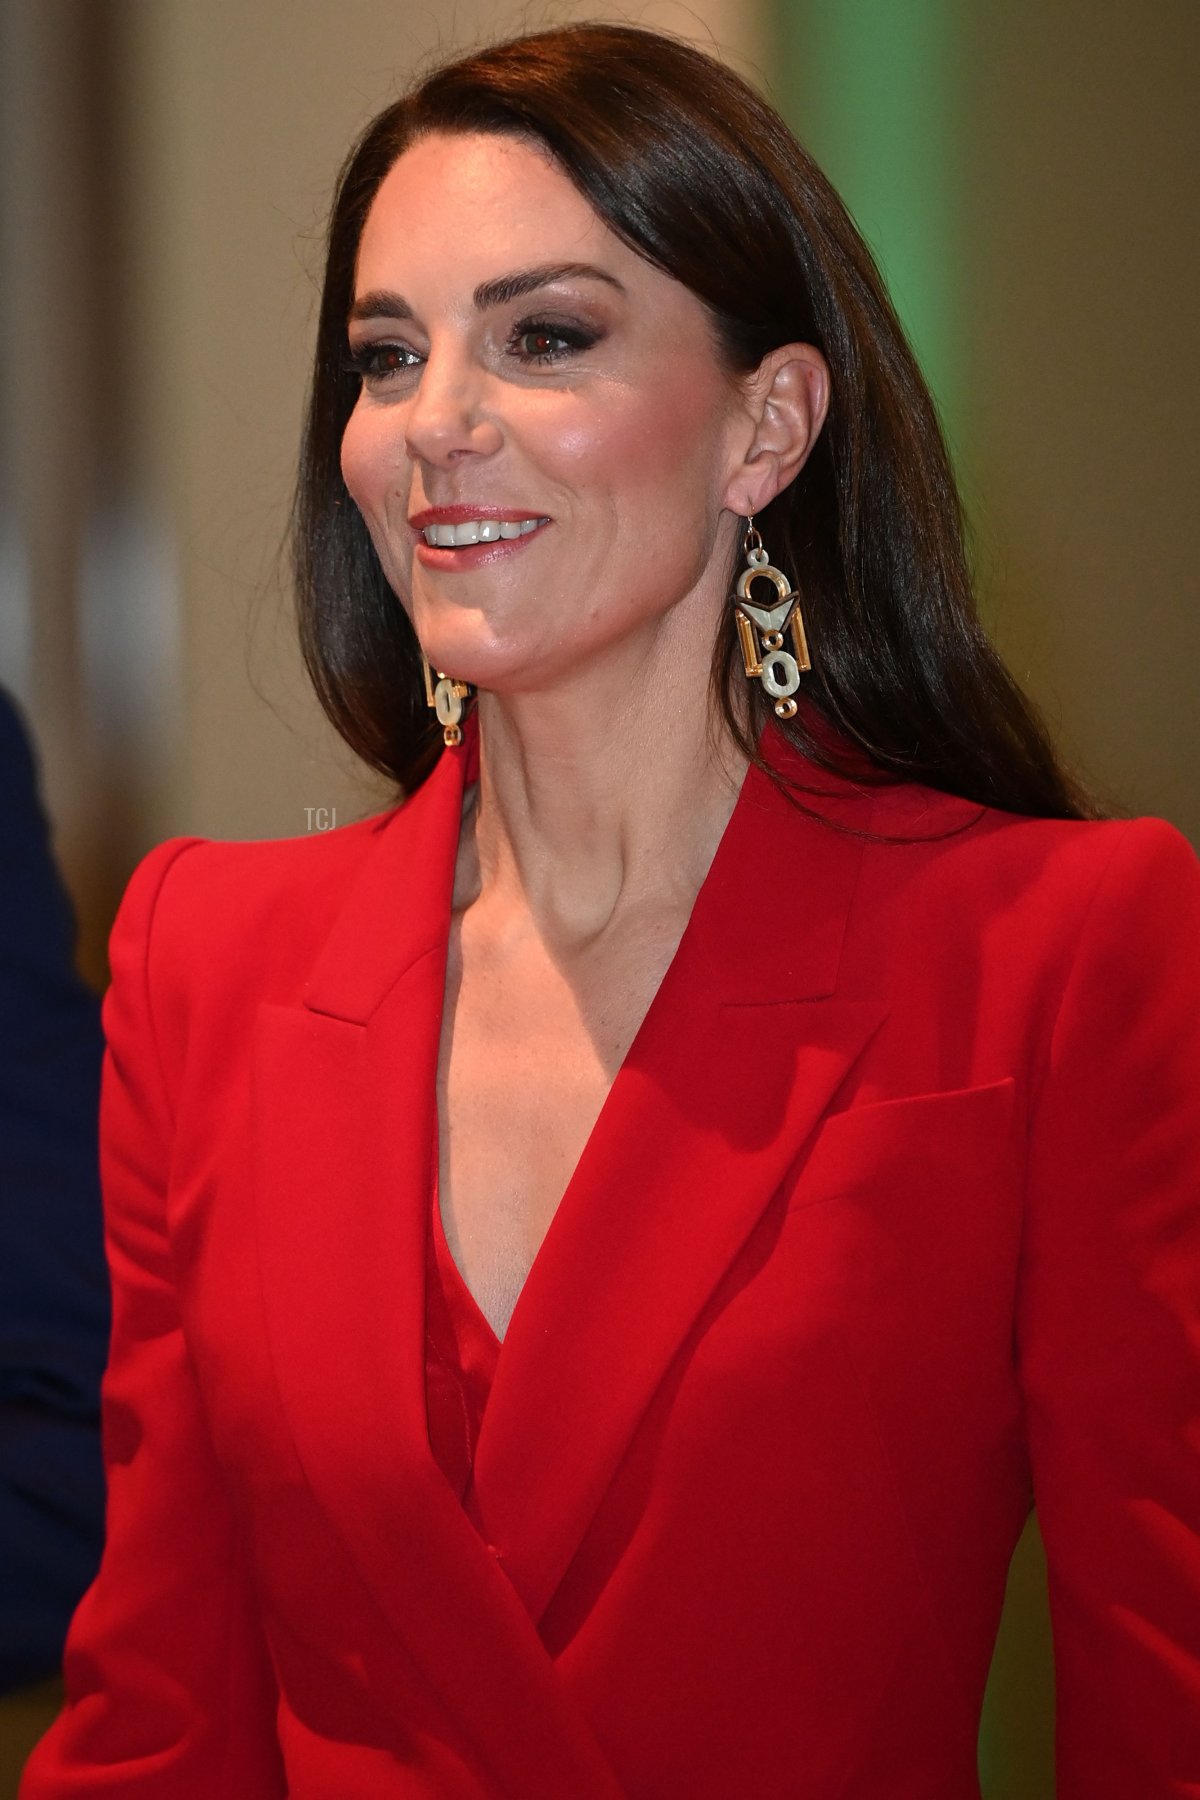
{"type": "Point", "coordinates": [448, 1262]}
{"type": "Point", "coordinates": [470, 753]}
{"type": "Point", "coordinates": [742, 1049]}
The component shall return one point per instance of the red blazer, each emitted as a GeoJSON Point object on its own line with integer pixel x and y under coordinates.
{"type": "Point", "coordinates": [890, 1226]}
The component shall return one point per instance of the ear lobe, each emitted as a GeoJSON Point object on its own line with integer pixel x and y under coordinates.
{"type": "Point", "coordinates": [787, 398]}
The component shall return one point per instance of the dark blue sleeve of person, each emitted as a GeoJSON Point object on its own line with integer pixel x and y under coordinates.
{"type": "Point", "coordinates": [54, 1307]}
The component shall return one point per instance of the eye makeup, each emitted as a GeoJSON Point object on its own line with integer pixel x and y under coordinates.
{"type": "Point", "coordinates": [533, 341]}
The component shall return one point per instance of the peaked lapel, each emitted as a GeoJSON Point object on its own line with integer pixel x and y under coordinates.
{"type": "Point", "coordinates": [344, 1108]}
{"type": "Point", "coordinates": [736, 1060]}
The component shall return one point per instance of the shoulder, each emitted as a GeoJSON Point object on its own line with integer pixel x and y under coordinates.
{"type": "Point", "coordinates": [36, 923]}
{"type": "Point", "coordinates": [198, 901]}
{"type": "Point", "coordinates": [922, 840]}
{"type": "Point", "coordinates": [26, 832]}
{"type": "Point", "coordinates": [1137, 876]}
{"type": "Point", "coordinates": [201, 868]}
{"type": "Point", "coordinates": [999, 910]}
{"type": "Point", "coordinates": [1048, 865]}
{"type": "Point", "coordinates": [17, 769]}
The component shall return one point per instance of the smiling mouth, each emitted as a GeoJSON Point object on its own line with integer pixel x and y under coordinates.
{"type": "Point", "coordinates": [479, 531]}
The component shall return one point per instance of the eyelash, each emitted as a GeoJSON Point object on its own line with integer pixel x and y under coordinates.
{"type": "Point", "coordinates": [574, 337]}
{"type": "Point", "coordinates": [364, 362]}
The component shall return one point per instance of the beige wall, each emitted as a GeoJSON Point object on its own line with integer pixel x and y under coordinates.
{"type": "Point", "coordinates": [1081, 260]}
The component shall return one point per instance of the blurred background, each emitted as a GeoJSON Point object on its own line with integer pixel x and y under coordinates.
{"type": "Point", "coordinates": [1026, 173]}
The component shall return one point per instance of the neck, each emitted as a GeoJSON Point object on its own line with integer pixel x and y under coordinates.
{"type": "Point", "coordinates": [601, 797]}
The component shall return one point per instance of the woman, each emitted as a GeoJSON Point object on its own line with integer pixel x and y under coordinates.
{"type": "Point", "coordinates": [606, 1253]}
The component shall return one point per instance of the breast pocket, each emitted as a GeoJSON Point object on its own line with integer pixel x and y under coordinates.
{"type": "Point", "coordinates": [902, 1235]}
{"type": "Point", "coordinates": [904, 1224]}
{"type": "Point", "coordinates": [918, 1147]}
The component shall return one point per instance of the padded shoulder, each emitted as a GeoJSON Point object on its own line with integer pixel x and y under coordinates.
{"type": "Point", "coordinates": [203, 922]}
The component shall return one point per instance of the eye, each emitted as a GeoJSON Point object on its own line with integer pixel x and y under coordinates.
{"type": "Point", "coordinates": [540, 344]}
{"type": "Point", "coordinates": [376, 363]}
{"type": "Point", "coordinates": [536, 341]}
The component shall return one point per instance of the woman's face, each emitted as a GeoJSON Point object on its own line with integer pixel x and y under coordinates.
{"type": "Point", "coordinates": [530, 381]}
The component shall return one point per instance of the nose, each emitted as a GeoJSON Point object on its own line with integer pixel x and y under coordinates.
{"type": "Point", "coordinates": [447, 417]}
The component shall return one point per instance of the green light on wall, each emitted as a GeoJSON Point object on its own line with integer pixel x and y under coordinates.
{"type": "Point", "coordinates": [878, 91]}
{"type": "Point", "coordinates": [872, 87]}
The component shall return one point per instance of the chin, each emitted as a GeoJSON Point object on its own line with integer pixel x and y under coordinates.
{"type": "Point", "coordinates": [496, 668]}
{"type": "Point", "coordinates": [465, 644]}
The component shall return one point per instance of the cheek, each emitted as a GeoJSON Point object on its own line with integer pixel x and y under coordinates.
{"type": "Point", "coordinates": [359, 462]}
{"type": "Point", "coordinates": [657, 443]}
{"type": "Point", "coordinates": [378, 487]}
{"type": "Point", "coordinates": [375, 477]}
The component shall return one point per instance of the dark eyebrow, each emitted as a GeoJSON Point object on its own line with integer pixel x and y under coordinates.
{"type": "Point", "coordinates": [526, 281]}
{"type": "Point", "coordinates": [380, 304]}
{"type": "Point", "coordinates": [383, 304]}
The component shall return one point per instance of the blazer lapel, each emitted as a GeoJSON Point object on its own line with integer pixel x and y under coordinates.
{"type": "Point", "coordinates": [738, 1057]}
{"type": "Point", "coordinates": [344, 1108]}
{"type": "Point", "coordinates": [335, 1131]}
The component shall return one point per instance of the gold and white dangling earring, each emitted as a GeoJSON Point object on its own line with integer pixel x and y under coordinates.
{"type": "Point", "coordinates": [448, 699]}
{"type": "Point", "coordinates": [761, 628]}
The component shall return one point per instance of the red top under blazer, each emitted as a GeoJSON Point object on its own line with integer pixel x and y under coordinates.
{"type": "Point", "coordinates": [890, 1226]}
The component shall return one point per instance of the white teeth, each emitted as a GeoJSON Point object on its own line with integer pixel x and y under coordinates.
{"type": "Point", "coordinates": [479, 531]}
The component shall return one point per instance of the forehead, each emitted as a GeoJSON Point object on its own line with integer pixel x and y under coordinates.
{"type": "Point", "coordinates": [460, 209]}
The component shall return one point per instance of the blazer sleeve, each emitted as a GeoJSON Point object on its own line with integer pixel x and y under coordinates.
{"type": "Point", "coordinates": [170, 1693]}
{"type": "Point", "coordinates": [1109, 1329]}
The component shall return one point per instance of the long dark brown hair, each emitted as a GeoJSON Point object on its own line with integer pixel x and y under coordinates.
{"type": "Point", "coordinates": [693, 169]}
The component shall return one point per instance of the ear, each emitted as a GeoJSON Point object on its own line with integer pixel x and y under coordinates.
{"type": "Point", "coordinates": [784, 402]}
